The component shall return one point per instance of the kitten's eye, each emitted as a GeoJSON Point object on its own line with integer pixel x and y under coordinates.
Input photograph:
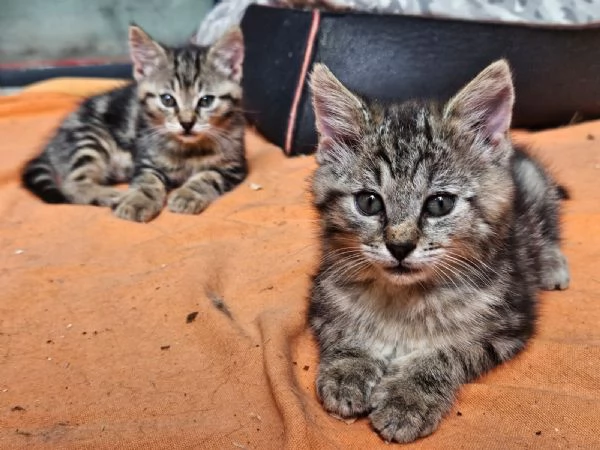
{"type": "Point", "coordinates": [369, 203]}
{"type": "Point", "coordinates": [206, 101]}
{"type": "Point", "coordinates": [168, 100]}
{"type": "Point", "coordinates": [439, 205]}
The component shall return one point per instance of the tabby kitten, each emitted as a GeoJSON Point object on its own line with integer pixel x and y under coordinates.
{"type": "Point", "coordinates": [437, 234]}
{"type": "Point", "coordinates": [178, 126]}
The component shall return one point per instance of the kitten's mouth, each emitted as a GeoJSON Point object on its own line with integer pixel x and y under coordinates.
{"type": "Point", "coordinates": [401, 269]}
{"type": "Point", "coordinates": [188, 137]}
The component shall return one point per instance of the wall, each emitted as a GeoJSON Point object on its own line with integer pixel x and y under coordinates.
{"type": "Point", "coordinates": [61, 29]}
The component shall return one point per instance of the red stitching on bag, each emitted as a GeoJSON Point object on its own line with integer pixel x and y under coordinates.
{"type": "Point", "coordinates": [314, 27]}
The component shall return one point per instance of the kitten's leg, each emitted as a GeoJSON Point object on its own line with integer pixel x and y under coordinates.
{"type": "Point", "coordinates": [419, 389]}
{"type": "Point", "coordinates": [555, 269]}
{"type": "Point", "coordinates": [202, 188]}
{"type": "Point", "coordinates": [345, 380]}
{"type": "Point", "coordinates": [145, 198]}
{"type": "Point", "coordinates": [88, 172]}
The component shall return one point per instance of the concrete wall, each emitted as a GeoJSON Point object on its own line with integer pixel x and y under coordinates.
{"type": "Point", "coordinates": [56, 29]}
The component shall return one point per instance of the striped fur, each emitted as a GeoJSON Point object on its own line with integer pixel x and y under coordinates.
{"type": "Point", "coordinates": [409, 303]}
{"type": "Point", "coordinates": [193, 147]}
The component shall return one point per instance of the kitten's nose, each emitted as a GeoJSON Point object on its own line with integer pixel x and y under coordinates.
{"type": "Point", "coordinates": [187, 126]}
{"type": "Point", "coordinates": [401, 250]}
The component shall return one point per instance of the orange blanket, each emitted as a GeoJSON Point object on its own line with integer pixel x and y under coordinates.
{"type": "Point", "coordinates": [189, 332]}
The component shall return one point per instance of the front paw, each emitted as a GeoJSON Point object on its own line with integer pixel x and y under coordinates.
{"type": "Point", "coordinates": [344, 385]}
{"type": "Point", "coordinates": [137, 207]}
{"type": "Point", "coordinates": [187, 201]}
{"type": "Point", "coordinates": [402, 412]}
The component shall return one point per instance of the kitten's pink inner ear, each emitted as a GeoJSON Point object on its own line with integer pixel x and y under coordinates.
{"type": "Point", "coordinates": [486, 103]}
{"type": "Point", "coordinates": [325, 121]}
{"type": "Point", "coordinates": [146, 54]}
{"type": "Point", "coordinates": [227, 54]}
{"type": "Point", "coordinates": [326, 144]}
{"type": "Point", "coordinates": [339, 114]}
{"type": "Point", "coordinates": [500, 114]}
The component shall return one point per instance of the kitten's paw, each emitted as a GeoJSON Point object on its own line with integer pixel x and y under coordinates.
{"type": "Point", "coordinates": [107, 197]}
{"type": "Point", "coordinates": [344, 386]}
{"type": "Point", "coordinates": [137, 207]}
{"type": "Point", "coordinates": [400, 414]}
{"type": "Point", "coordinates": [87, 193]}
{"type": "Point", "coordinates": [555, 273]}
{"type": "Point", "coordinates": [187, 201]}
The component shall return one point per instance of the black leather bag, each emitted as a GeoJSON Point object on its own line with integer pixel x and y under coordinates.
{"type": "Point", "coordinates": [556, 69]}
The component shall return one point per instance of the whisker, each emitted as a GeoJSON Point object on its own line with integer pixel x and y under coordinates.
{"type": "Point", "coordinates": [471, 266]}
{"type": "Point", "coordinates": [444, 275]}
{"type": "Point", "coordinates": [457, 275]}
{"type": "Point", "coordinates": [343, 265]}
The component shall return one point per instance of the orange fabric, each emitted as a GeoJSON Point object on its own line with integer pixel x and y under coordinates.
{"type": "Point", "coordinates": [96, 351]}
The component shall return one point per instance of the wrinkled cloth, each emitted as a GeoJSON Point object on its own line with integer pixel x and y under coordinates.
{"type": "Point", "coordinates": [190, 331]}
{"type": "Point", "coordinates": [560, 12]}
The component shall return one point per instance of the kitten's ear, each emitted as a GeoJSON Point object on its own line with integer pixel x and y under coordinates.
{"type": "Point", "coordinates": [340, 115]}
{"type": "Point", "coordinates": [485, 104]}
{"type": "Point", "coordinates": [147, 55]}
{"type": "Point", "coordinates": [227, 54]}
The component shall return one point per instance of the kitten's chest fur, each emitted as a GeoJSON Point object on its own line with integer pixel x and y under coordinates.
{"type": "Point", "coordinates": [396, 321]}
{"type": "Point", "coordinates": [179, 162]}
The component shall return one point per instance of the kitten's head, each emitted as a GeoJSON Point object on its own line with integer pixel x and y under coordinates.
{"type": "Point", "coordinates": [416, 191]}
{"type": "Point", "coordinates": [189, 92]}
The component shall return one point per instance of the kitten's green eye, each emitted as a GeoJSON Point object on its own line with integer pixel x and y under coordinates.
{"type": "Point", "coordinates": [168, 100]}
{"type": "Point", "coordinates": [369, 203]}
{"type": "Point", "coordinates": [439, 205]}
{"type": "Point", "coordinates": [206, 101]}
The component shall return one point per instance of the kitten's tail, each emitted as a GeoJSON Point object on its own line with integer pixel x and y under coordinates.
{"type": "Point", "coordinates": [40, 178]}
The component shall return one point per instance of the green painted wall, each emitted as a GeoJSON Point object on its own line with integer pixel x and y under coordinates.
{"type": "Point", "coordinates": [56, 29]}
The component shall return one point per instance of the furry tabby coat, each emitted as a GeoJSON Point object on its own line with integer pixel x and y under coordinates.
{"type": "Point", "coordinates": [437, 234]}
{"type": "Point", "coordinates": [179, 127]}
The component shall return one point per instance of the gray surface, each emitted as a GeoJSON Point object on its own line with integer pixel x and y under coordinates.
{"type": "Point", "coordinates": [56, 29]}
{"type": "Point", "coordinates": [561, 12]}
